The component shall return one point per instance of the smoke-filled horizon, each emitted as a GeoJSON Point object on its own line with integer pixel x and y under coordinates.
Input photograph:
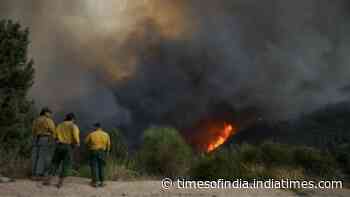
{"type": "Point", "coordinates": [164, 61]}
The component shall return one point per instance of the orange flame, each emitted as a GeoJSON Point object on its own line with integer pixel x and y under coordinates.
{"type": "Point", "coordinates": [221, 137]}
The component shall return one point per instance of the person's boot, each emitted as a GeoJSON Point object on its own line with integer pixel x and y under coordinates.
{"type": "Point", "coordinates": [102, 184]}
{"type": "Point", "coordinates": [41, 178]}
{"type": "Point", "coordinates": [34, 178]}
{"type": "Point", "coordinates": [94, 184]}
{"type": "Point", "coordinates": [47, 182]}
{"type": "Point", "coordinates": [60, 182]}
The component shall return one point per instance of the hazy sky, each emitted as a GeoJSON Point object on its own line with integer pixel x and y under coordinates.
{"type": "Point", "coordinates": [171, 61]}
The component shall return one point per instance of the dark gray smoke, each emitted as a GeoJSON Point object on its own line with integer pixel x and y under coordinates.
{"type": "Point", "coordinates": [283, 58]}
{"type": "Point", "coordinates": [279, 57]}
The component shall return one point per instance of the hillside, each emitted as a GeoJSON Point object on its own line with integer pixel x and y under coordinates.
{"type": "Point", "coordinates": [325, 128]}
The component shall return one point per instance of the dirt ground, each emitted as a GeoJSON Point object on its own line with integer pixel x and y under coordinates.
{"type": "Point", "coordinates": [78, 187]}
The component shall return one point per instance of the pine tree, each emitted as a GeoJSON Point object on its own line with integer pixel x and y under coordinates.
{"type": "Point", "coordinates": [16, 78]}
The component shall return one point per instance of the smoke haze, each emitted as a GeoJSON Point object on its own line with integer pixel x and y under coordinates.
{"type": "Point", "coordinates": [172, 61]}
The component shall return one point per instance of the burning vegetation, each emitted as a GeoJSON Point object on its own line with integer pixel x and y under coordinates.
{"type": "Point", "coordinates": [221, 136]}
{"type": "Point", "coordinates": [209, 135]}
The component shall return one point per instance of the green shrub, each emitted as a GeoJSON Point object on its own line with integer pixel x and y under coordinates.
{"type": "Point", "coordinates": [242, 162]}
{"type": "Point", "coordinates": [274, 154]}
{"type": "Point", "coordinates": [269, 160]}
{"type": "Point", "coordinates": [119, 148]}
{"type": "Point", "coordinates": [250, 153]}
{"type": "Point", "coordinates": [223, 164]}
{"type": "Point", "coordinates": [164, 153]}
{"type": "Point", "coordinates": [342, 154]}
{"type": "Point", "coordinates": [315, 162]}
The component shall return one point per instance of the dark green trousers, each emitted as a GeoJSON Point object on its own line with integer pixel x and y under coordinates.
{"type": "Point", "coordinates": [97, 165]}
{"type": "Point", "coordinates": [62, 156]}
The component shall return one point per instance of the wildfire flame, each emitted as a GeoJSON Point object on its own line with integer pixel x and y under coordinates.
{"type": "Point", "coordinates": [221, 137]}
{"type": "Point", "coordinates": [209, 134]}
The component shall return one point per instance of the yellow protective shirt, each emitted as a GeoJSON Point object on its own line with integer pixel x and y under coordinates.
{"type": "Point", "coordinates": [43, 125]}
{"type": "Point", "coordinates": [98, 140]}
{"type": "Point", "coordinates": [67, 133]}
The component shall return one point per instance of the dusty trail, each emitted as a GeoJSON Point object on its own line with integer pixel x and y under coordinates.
{"type": "Point", "coordinates": [78, 187]}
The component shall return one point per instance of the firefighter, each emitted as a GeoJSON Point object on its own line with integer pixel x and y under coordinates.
{"type": "Point", "coordinates": [67, 138]}
{"type": "Point", "coordinates": [42, 143]}
{"type": "Point", "coordinates": [99, 144]}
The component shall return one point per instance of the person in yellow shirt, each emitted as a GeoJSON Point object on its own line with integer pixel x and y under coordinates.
{"type": "Point", "coordinates": [42, 143]}
{"type": "Point", "coordinates": [67, 137]}
{"type": "Point", "coordinates": [99, 144]}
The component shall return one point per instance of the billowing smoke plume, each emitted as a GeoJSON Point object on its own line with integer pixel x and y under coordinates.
{"type": "Point", "coordinates": [165, 61]}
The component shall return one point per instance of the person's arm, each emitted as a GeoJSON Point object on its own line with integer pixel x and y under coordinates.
{"type": "Point", "coordinates": [87, 140]}
{"type": "Point", "coordinates": [51, 126]}
{"type": "Point", "coordinates": [55, 133]}
{"type": "Point", "coordinates": [34, 128]}
{"type": "Point", "coordinates": [76, 137]}
{"type": "Point", "coordinates": [108, 143]}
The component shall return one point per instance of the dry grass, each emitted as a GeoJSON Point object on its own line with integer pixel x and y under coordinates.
{"type": "Point", "coordinates": [288, 173]}
{"type": "Point", "coordinates": [119, 171]}
{"type": "Point", "coordinates": [114, 171]}
{"type": "Point", "coordinates": [13, 165]}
